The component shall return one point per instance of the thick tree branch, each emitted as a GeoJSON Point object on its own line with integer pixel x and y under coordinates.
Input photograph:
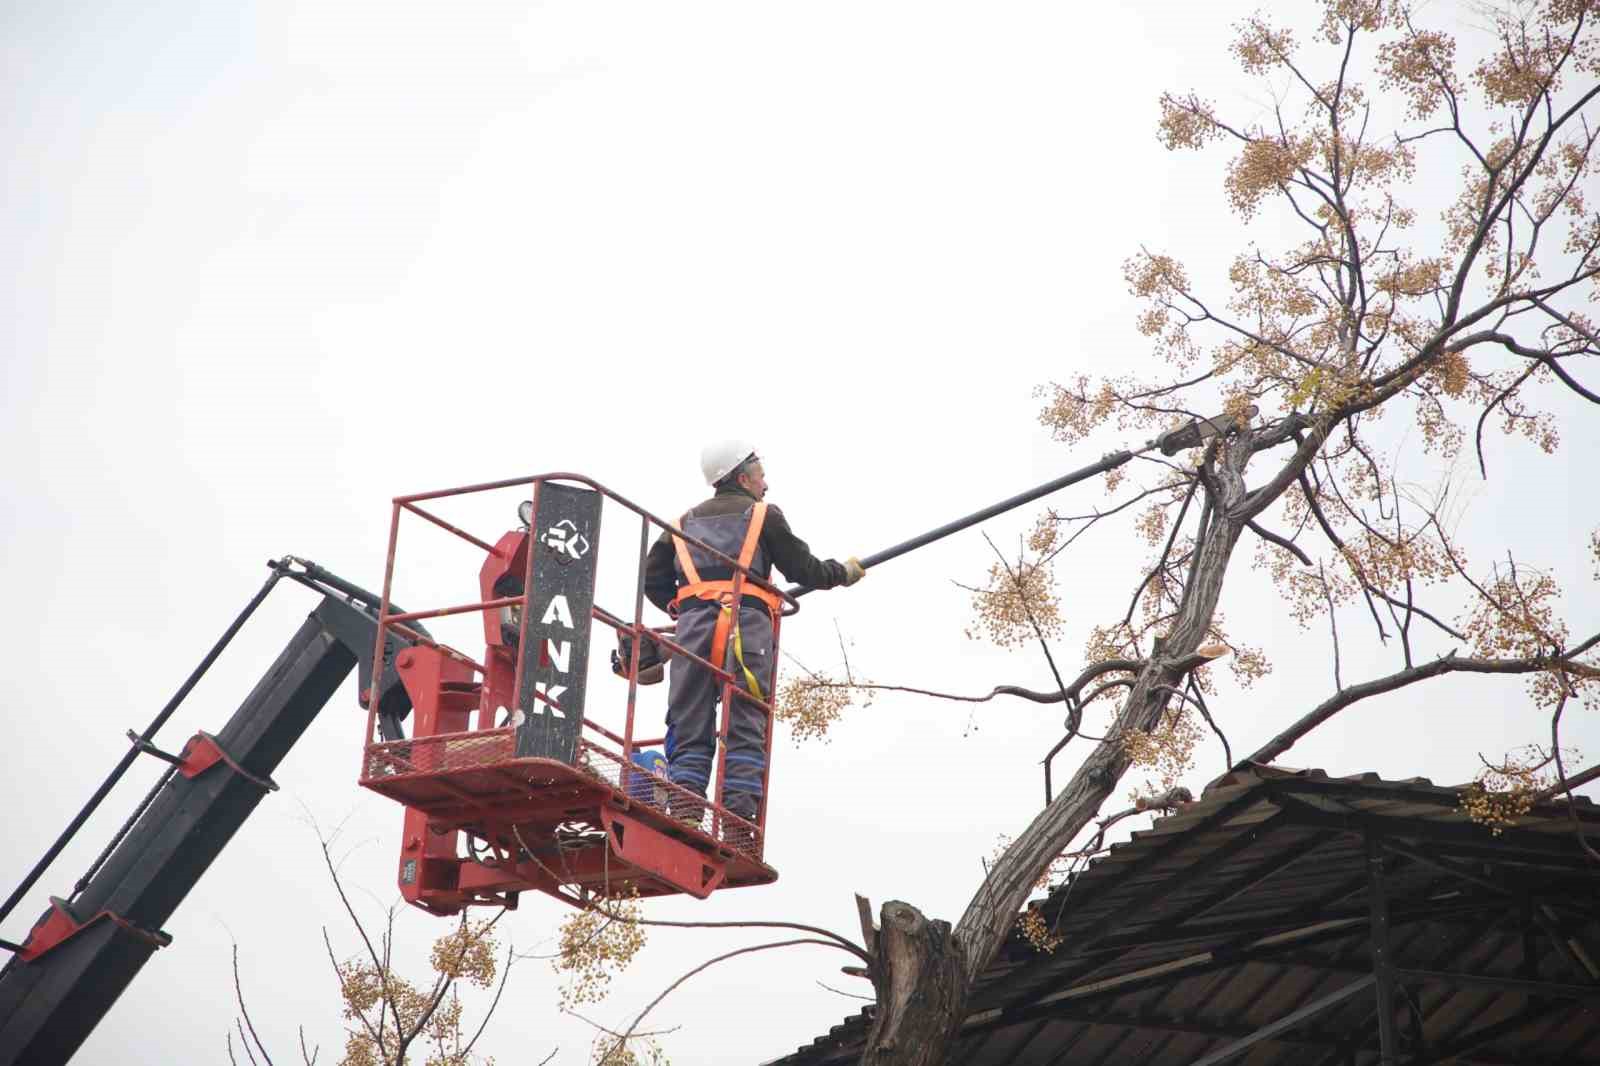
{"type": "Point", "coordinates": [1282, 542]}
{"type": "Point", "coordinates": [1447, 665]}
{"type": "Point", "coordinates": [1538, 355]}
{"type": "Point", "coordinates": [1505, 394]}
{"type": "Point", "coordinates": [1260, 499]}
{"type": "Point", "coordinates": [1577, 780]}
{"type": "Point", "coordinates": [1099, 669]}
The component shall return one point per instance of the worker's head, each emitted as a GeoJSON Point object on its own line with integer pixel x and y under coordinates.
{"type": "Point", "coordinates": [750, 476]}
{"type": "Point", "coordinates": [730, 462]}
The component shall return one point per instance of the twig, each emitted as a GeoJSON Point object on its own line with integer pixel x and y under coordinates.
{"type": "Point", "coordinates": [1506, 767]}
{"type": "Point", "coordinates": [1333, 623]}
{"type": "Point", "coordinates": [844, 654]}
{"type": "Point", "coordinates": [238, 993]}
{"type": "Point", "coordinates": [847, 995]}
{"type": "Point", "coordinates": [1561, 770]}
{"type": "Point", "coordinates": [445, 982]}
{"type": "Point", "coordinates": [1161, 560]}
{"type": "Point", "coordinates": [308, 1059]}
{"type": "Point", "coordinates": [243, 1042]}
{"type": "Point", "coordinates": [526, 850]}
{"type": "Point", "coordinates": [380, 964]}
{"type": "Point", "coordinates": [1411, 595]}
{"type": "Point", "coordinates": [1344, 552]}
{"type": "Point", "coordinates": [344, 992]}
{"type": "Point", "coordinates": [1166, 801]}
{"type": "Point", "coordinates": [1074, 714]}
{"type": "Point", "coordinates": [1091, 519]}
{"type": "Point", "coordinates": [505, 974]}
{"type": "Point", "coordinates": [628, 1033]}
{"type": "Point", "coordinates": [839, 941]}
{"type": "Point", "coordinates": [612, 1032]}
{"type": "Point", "coordinates": [1205, 712]}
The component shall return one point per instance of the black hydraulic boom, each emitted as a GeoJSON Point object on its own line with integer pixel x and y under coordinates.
{"type": "Point", "coordinates": [86, 948]}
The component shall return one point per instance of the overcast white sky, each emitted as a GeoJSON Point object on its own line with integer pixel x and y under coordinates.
{"type": "Point", "coordinates": [264, 267]}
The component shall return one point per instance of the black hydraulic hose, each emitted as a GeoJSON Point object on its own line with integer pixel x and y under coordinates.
{"type": "Point", "coordinates": [1109, 462]}
{"type": "Point", "coordinates": [315, 575]}
{"type": "Point", "coordinates": [122, 834]}
{"type": "Point", "coordinates": [135, 748]}
{"type": "Point", "coordinates": [334, 581]}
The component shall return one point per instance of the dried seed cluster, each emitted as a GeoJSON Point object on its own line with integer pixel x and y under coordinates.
{"type": "Point", "coordinates": [1036, 931]}
{"type": "Point", "coordinates": [1167, 752]}
{"type": "Point", "coordinates": [1015, 600]}
{"type": "Point", "coordinates": [595, 945]}
{"type": "Point", "coordinates": [810, 706]}
{"type": "Point", "coordinates": [1505, 791]}
{"type": "Point", "coordinates": [374, 996]}
{"type": "Point", "coordinates": [1497, 809]}
{"type": "Point", "coordinates": [636, 1051]}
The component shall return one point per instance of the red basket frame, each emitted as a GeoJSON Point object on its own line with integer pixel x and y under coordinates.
{"type": "Point", "coordinates": [472, 780]}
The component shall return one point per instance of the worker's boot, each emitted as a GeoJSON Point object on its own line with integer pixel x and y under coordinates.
{"type": "Point", "coordinates": [741, 833]}
{"type": "Point", "coordinates": [686, 808]}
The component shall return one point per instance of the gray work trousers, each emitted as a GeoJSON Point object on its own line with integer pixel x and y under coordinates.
{"type": "Point", "coordinates": [693, 696]}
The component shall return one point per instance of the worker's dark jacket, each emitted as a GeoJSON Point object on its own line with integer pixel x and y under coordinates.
{"type": "Point", "coordinates": [779, 545]}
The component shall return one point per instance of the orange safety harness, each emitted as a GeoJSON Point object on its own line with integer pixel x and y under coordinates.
{"type": "Point", "coordinates": [722, 593]}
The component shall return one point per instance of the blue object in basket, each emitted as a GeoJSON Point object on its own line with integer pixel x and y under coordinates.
{"type": "Point", "coordinates": [641, 786]}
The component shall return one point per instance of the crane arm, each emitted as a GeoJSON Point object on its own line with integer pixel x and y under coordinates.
{"type": "Point", "coordinates": [85, 950]}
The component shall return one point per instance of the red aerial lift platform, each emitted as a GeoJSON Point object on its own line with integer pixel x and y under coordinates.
{"type": "Point", "coordinates": [509, 780]}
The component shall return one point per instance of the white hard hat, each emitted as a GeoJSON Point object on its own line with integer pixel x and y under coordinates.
{"type": "Point", "coordinates": [721, 458]}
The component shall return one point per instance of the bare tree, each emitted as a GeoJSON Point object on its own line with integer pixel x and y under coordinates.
{"type": "Point", "coordinates": [390, 1018]}
{"type": "Point", "coordinates": [1375, 312]}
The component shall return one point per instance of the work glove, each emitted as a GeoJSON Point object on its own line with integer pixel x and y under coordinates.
{"type": "Point", "coordinates": [853, 570]}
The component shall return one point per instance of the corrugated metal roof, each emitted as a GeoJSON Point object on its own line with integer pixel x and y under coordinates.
{"type": "Point", "coordinates": [1250, 904]}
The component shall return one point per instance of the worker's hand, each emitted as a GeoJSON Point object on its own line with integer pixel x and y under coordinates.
{"type": "Point", "coordinates": [853, 570]}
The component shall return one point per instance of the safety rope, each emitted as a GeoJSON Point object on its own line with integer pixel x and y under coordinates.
{"type": "Point", "coordinates": [738, 653]}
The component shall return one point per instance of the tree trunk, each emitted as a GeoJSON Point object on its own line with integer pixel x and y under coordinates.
{"type": "Point", "coordinates": [918, 1022]}
{"type": "Point", "coordinates": [920, 977]}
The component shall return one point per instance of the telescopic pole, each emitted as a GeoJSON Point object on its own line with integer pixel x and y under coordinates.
{"type": "Point", "coordinates": [1110, 462]}
{"type": "Point", "coordinates": [1188, 436]}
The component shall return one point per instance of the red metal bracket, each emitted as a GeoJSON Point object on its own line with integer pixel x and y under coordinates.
{"type": "Point", "coordinates": [653, 852]}
{"type": "Point", "coordinates": [58, 925]}
{"type": "Point", "coordinates": [202, 752]}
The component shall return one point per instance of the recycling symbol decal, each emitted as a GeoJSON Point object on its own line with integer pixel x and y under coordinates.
{"type": "Point", "coordinates": [564, 539]}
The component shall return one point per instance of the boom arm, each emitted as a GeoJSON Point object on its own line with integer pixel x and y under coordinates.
{"type": "Point", "coordinates": [84, 951]}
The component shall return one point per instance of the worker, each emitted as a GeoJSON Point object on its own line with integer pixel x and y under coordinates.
{"type": "Point", "coordinates": [696, 587]}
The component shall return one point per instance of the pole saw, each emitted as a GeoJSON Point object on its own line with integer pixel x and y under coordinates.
{"type": "Point", "coordinates": [1171, 443]}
